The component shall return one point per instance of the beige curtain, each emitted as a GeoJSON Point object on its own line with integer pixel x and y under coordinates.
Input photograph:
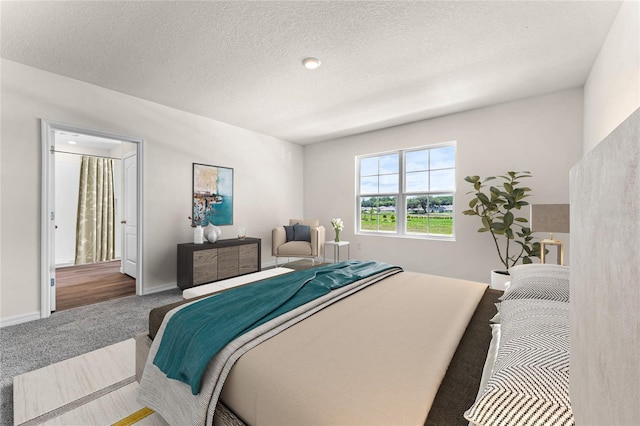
{"type": "Point", "coordinates": [95, 229]}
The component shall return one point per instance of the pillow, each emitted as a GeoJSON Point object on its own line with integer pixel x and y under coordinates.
{"type": "Point", "coordinates": [288, 230]}
{"type": "Point", "coordinates": [524, 272]}
{"type": "Point", "coordinates": [530, 380]}
{"type": "Point", "coordinates": [538, 281]}
{"type": "Point", "coordinates": [301, 232]}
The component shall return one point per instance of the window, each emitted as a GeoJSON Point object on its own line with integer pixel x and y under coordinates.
{"type": "Point", "coordinates": [407, 192]}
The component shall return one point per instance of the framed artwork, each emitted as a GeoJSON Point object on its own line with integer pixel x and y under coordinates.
{"type": "Point", "coordinates": [212, 200]}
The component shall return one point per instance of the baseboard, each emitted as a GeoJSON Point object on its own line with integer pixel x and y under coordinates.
{"type": "Point", "coordinates": [158, 289]}
{"type": "Point", "coordinates": [268, 265]}
{"type": "Point", "coordinates": [19, 319]}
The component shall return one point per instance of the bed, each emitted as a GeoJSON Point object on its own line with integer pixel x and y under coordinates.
{"type": "Point", "coordinates": [377, 356]}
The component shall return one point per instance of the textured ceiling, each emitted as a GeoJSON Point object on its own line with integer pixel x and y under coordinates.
{"type": "Point", "coordinates": [383, 63]}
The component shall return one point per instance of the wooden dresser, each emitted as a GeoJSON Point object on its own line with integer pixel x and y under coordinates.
{"type": "Point", "coordinates": [205, 263]}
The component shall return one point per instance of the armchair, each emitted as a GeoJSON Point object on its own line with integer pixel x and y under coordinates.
{"type": "Point", "coordinates": [288, 243]}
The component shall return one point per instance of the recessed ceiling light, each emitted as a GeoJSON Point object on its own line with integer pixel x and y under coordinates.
{"type": "Point", "coordinates": [311, 63]}
{"type": "Point", "coordinates": [72, 142]}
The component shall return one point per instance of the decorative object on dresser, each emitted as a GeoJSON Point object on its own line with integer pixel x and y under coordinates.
{"type": "Point", "coordinates": [198, 235]}
{"type": "Point", "coordinates": [212, 200]}
{"type": "Point", "coordinates": [212, 233]}
{"type": "Point", "coordinates": [496, 211]}
{"type": "Point", "coordinates": [550, 218]}
{"type": "Point", "coordinates": [205, 263]}
{"type": "Point", "coordinates": [242, 232]}
{"type": "Point", "coordinates": [301, 238]}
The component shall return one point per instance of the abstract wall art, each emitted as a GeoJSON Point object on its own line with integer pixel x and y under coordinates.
{"type": "Point", "coordinates": [212, 200]}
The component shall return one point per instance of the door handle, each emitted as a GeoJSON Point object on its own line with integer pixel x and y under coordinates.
{"type": "Point", "coordinates": [123, 221]}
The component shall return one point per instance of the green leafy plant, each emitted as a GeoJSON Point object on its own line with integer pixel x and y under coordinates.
{"type": "Point", "coordinates": [496, 207]}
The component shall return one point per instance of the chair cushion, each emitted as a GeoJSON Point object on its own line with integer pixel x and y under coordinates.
{"type": "Point", "coordinates": [301, 232]}
{"type": "Point", "coordinates": [288, 230]}
{"type": "Point", "coordinates": [295, 248]}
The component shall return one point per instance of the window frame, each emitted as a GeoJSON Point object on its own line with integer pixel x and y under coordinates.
{"type": "Point", "coordinates": [402, 195]}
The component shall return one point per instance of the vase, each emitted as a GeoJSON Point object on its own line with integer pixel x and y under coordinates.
{"type": "Point", "coordinates": [198, 235]}
{"type": "Point", "coordinates": [337, 239]}
{"type": "Point", "coordinates": [210, 233]}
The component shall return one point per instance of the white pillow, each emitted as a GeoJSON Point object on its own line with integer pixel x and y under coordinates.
{"type": "Point", "coordinates": [538, 281]}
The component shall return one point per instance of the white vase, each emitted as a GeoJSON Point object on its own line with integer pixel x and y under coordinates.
{"type": "Point", "coordinates": [211, 233]}
{"type": "Point", "coordinates": [198, 235]}
{"type": "Point", "coordinates": [499, 279]}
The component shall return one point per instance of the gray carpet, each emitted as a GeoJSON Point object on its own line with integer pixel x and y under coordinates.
{"type": "Point", "coordinates": [66, 334]}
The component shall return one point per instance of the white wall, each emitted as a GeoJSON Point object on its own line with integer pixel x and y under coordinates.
{"type": "Point", "coordinates": [541, 134]}
{"type": "Point", "coordinates": [612, 90]}
{"type": "Point", "coordinates": [268, 174]}
{"type": "Point", "coordinates": [67, 174]}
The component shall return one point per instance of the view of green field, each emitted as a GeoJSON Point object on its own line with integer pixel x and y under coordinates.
{"type": "Point", "coordinates": [434, 223]}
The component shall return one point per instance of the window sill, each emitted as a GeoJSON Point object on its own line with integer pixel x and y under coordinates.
{"type": "Point", "coordinates": [408, 236]}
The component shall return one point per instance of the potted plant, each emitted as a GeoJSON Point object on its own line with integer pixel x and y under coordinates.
{"type": "Point", "coordinates": [496, 208]}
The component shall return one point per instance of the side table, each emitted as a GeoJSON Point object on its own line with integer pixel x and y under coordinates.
{"type": "Point", "coordinates": [336, 250]}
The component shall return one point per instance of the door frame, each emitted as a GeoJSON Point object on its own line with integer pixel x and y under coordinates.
{"type": "Point", "coordinates": [47, 210]}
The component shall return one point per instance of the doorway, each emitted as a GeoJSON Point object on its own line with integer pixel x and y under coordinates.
{"type": "Point", "coordinates": [72, 273]}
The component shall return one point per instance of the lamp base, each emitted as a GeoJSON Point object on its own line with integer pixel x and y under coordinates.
{"type": "Point", "coordinates": [560, 250]}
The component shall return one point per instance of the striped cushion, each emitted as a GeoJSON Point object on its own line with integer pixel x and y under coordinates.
{"type": "Point", "coordinates": [538, 281]}
{"type": "Point", "coordinates": [530, 380]}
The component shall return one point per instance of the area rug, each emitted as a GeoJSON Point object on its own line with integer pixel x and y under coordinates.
{"type": "Point", "coordinates": [97, 388]}
{"type": "Point", "coordinates": [67, 334]}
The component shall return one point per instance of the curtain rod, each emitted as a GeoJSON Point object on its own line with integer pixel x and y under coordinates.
{"type": "Point", "coordinates": [79, 153]}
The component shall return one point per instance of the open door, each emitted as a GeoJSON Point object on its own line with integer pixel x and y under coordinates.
{"type": "Point", "coordinates": [132, 258]}
{"type": "Point", "coordinates": [130, 215]}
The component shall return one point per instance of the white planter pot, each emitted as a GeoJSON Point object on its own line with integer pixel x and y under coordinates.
{"type": "Point", "coordinates": [499, 279]}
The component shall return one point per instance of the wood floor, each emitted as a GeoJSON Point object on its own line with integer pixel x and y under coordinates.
{"type": "Point", "coordinates": [88, 284]}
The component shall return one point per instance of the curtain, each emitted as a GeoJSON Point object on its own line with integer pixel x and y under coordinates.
{"type": "Point", "coordinates": [95, 228]}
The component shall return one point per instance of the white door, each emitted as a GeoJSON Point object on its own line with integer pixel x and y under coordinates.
{"type": "Point", "coordinates": [130, 215]}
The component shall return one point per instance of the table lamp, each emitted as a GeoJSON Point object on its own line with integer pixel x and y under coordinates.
{"type": "Point", "coordinates": [550, 218]}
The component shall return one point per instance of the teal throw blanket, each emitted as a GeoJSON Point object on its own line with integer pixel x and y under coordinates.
{"type": "Point", "coordinates": [197, 332]}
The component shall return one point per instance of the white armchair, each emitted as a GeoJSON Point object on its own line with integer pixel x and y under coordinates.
{"type": "Point", "coordinates": [298, 245]}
